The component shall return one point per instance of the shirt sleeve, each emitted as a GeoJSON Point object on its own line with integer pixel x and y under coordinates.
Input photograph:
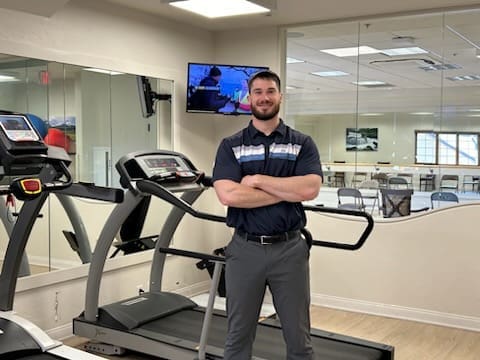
{"type": "Point", "coordinates": [226, 166]}
{"type": "Point", "coordinates": [308, 161]}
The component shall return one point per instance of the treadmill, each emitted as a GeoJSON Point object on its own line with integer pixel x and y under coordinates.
{"type": "Point", "coordinates": [169, 325]}
{"type": "Point", "coordinates": [77, 239]}
{"type": "Point", "coordinates": [37, 170]}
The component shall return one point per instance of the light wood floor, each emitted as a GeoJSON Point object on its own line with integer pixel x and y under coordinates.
{"type": "Point", "coordinates": [412, 340]}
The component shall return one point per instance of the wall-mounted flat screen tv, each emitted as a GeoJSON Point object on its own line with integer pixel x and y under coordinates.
{"type": "Point", "coordinates": [148, 97]}
{"type": "Point", "coordinates": [221, 89]}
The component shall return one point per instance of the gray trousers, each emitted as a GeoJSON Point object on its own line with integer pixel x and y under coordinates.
{"type": "Point", "coordinates": [284, 268]}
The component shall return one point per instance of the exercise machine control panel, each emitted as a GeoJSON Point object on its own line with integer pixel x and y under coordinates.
{"type": "Point", "coordinates": [20, 144]}
{"type": "Point", "coordinates": [23, 153]}
{"type": "Point", "coordinates": [164, 167]}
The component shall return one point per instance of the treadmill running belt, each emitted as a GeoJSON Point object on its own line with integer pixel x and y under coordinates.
{"type": "Point", "coordinates": [268, 344]}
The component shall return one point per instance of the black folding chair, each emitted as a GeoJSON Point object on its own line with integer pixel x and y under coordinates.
{"type": "Point", "coordinates": [397, 202]}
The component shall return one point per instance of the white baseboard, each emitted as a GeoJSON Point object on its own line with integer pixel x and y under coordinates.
{"type": "Point", "coordinates": [398, 312]}
{"type": "Point", "coordinates": [61, 332]}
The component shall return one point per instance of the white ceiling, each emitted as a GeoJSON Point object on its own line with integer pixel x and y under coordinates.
{"type": "Point", "coordinates": [292, 11]}
{"type": "Point", "coordinates": [285, 12]}
{"type": "Point", "coordinates": [452, 39]}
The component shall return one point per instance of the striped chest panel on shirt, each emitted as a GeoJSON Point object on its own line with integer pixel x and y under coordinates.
{"type": "Point", "coordinates": [247, 153]}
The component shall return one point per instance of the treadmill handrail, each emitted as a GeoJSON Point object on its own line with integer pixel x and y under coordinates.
{"type": "Point", "coordinates": [192, 254]}
{"type": "Point", "coordinates": [345, 246]}
{"type": "Point", "coordinates": [155, 189]}
{"type": "Point", "coordinates": [92, 191]}
{"type": "Point", "coordinates": [363, 237]}
{"type": "Point", "coordinates": [57, 185]}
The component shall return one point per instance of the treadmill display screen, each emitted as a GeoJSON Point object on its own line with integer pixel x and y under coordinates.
{"type": "Point", "coordinates": [163, 164]}
{"type": "Point", "coordinates": [17, 128]}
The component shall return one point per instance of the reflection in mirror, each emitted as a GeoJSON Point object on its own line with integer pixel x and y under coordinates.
{"type": "Point", "coordinates": [389, 97]}
{"type": "Point", "coordinates": [95, 116]}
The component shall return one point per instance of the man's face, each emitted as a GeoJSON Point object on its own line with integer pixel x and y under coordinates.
{"type": "Point", "coordinates": [265, 99]}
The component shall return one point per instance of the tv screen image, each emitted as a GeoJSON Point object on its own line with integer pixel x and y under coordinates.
{"type": "Point", "coordinates": [223, 89]}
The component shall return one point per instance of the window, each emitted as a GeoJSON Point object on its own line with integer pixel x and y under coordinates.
{"type": "Point", "coordinates": [468, 149]}
{"type": "Point", "coordinates": [446, 148]}
{"type": "Point", "coordinates": [426, 146]}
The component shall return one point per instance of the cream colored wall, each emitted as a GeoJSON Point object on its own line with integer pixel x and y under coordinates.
{"type": "Point", "coordinates": [424, 267]}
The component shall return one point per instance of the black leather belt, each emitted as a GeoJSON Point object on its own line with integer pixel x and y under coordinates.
{"type": "Point", "coordinates": [269, 239]}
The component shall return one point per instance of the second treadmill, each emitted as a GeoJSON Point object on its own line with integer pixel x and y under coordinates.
{"type": "Point", "coordinates": [169, 325]}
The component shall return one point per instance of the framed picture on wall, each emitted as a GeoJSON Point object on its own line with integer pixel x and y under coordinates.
{"type": "Point", "coordinates": [361, 139]}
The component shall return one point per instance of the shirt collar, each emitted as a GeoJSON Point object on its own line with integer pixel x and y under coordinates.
{"type": "Point", "coordinates": [281, 129]}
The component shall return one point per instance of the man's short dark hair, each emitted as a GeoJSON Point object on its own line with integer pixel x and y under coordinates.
{"type": "Point", "coordinates": [214, 71]}
{"type": "Point", "coordinates": [266, 75]}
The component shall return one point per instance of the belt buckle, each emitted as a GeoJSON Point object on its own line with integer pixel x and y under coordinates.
{"type": "Point", "coordinates": [263, 241]}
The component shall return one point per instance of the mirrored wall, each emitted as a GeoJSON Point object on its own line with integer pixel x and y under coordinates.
{"type": "Point", "coordinates": [95, 115]}
{"type": "Point", "coordinates": [397, 96]}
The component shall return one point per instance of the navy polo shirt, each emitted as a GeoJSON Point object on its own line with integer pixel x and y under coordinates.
{"type": "Point", "coordinates": [285, 152]}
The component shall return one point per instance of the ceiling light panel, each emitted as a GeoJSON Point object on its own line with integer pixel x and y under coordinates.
{"type": "Point", "coordinates": [8, 78]}
{"type": "Point", "coordinates": [437, 67]}
{"type": "Point", "coordinates": [352, 51]}
{"type": "Point", "coordinates": [103, 71]}
{"type": "Point", "coordinates": [404, 51]}
{"type": "Point", "coordinates": [329, 73]}
{"type": "Point", "coordinates": [463, 77]}
{"type": "Point", "coordinates": [220, 8]}
{"type": "Point", "coordinates": [291, 60]}
{"type": "Point", "coordinates": [369, 83]}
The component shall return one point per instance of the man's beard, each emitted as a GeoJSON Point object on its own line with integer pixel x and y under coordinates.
{"type": "Point", "coordinates": [267, 115]}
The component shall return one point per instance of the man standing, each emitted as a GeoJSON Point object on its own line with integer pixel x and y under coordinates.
{"type": "Point", "coordinates": [262, 174]}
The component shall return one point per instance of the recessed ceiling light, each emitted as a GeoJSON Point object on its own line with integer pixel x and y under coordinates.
{"type": "Point", "coordinates": [8, 78]}
{"type": "Point", "coordinates": [371, 114]}
{"type": "Point", "coordinates": [369, 83]}
{"type": "Point", "coordinates": [351, 51]}
{"type": "Point", "coordinates": [404, 51]}
{"type": "Point", "coordinates": [437, 67]}
{"type": "Point", "coordinates": [291, 87]}
{"type": "Point", "coordinates": [463, 77]}
{"type": "Point", "coordinates": [329, 73]}
{"type": "Point", "coordinates": [473, 115]}
{"type": "Point", "coordinates": [291, 60]}
{"type": "Point", "coordinates": [220, 8]}
{"type": "Point", "coordinates": [102, 71]}
{"type": "Point", "coordinates": [421, 113]}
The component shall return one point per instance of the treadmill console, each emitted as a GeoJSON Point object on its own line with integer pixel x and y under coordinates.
{"type": "Point", "coordinates": [21, 147]}
{"type": "Point", "coordinates": [16, 128]}
{"type": "Point", "coordinates": [164, 167]}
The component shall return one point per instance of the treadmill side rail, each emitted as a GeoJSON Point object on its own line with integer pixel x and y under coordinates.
{"type": "Point", "coordinates": [38, 335]}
